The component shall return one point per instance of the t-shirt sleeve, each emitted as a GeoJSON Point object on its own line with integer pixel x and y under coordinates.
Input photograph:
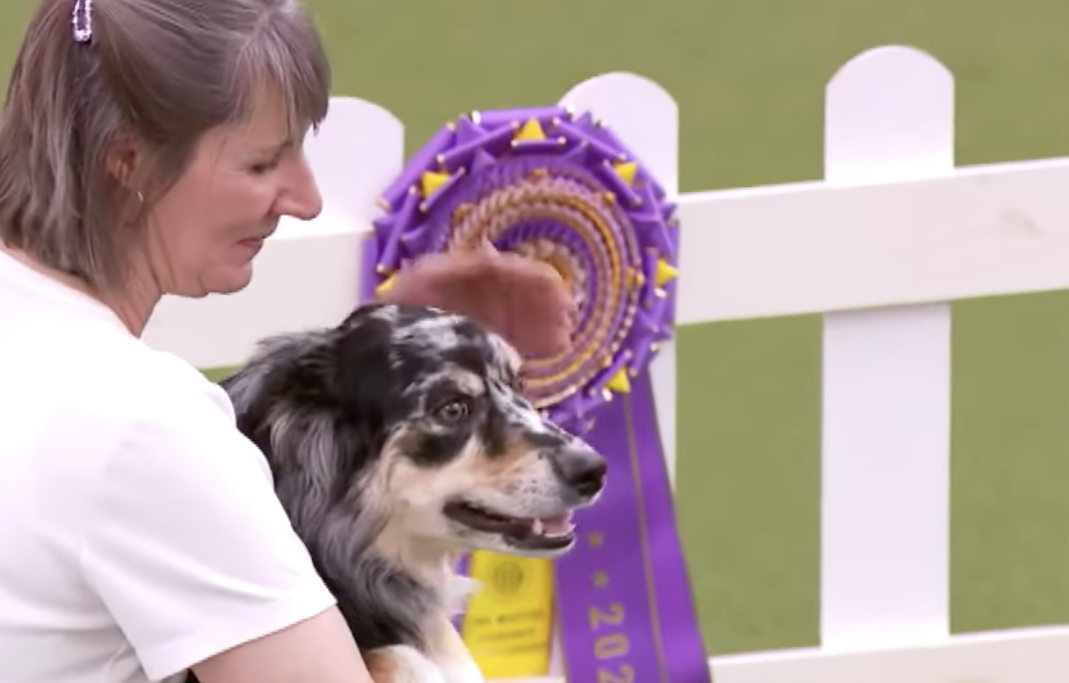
{"type": "Point", "coordinates": [187, 544]}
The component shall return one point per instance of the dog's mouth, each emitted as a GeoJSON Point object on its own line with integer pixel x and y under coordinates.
{"type": "Point", "coordinates": [536, 533]}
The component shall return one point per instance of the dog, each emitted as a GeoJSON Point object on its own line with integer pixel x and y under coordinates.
{"type": "Point", "coordinates": [399, 440]}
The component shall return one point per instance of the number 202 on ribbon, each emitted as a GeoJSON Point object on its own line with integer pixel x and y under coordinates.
{"type": "Point", "coordinates": [610, 645]}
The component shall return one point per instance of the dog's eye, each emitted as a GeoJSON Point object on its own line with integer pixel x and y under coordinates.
{"type": "Point", "coordinates": [454, 411]}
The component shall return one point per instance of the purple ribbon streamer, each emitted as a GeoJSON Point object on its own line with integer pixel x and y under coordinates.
{"type": "Point", "coordinates": [610, 598]}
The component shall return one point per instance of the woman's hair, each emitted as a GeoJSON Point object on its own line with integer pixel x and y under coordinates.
{"type": "Point", "coordinates": [163, 72]}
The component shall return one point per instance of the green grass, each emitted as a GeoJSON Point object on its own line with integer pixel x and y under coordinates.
{"type": "Point", "coordinates": [749, 77]}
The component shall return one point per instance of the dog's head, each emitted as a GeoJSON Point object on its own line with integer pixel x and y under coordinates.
{"type": "Point", "coordinates": [413, 420]}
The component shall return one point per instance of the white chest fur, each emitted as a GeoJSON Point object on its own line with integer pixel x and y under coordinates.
{"type": "Point", "coordinates": [447, 649]}
{"type": "Point", "coordinates": [447, 659]}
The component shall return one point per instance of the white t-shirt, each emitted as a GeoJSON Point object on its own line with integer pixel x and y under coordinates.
{"type": "Point", "coordinates": [139, 530]}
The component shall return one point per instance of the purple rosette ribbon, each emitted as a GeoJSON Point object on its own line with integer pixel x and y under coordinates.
{"type": "Point", "coordinates": [562, 188]}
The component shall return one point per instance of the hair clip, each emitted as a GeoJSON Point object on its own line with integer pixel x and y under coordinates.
{"type": "Point", "coordinates": [82, 21]}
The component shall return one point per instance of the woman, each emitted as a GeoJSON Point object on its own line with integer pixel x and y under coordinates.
{"type": "Point", "coordinates": [149, 147]}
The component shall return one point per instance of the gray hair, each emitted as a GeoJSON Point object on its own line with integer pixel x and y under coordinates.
{"type": "Point", "coordinates": [162, 71]}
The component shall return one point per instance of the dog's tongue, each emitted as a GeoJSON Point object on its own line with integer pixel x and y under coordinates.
{"type": "Point", "coordinates": [557, 524]}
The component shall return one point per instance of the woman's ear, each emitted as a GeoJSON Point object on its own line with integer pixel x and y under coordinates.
{"type": "Point", "coordinates": [123, 161]}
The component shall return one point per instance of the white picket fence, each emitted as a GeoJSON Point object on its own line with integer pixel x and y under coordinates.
{"type": "Point", "coordinates": [892, 233]}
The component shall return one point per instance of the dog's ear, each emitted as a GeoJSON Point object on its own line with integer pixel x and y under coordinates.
{"type": "Point", "coordinates": [363, 377]}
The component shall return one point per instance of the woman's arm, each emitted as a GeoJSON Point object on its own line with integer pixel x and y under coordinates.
{"type": "Point", "coordinates": [316, 650]}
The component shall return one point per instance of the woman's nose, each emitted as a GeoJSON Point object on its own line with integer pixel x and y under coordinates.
{"type": "Point", "coordinates": [300, 197]}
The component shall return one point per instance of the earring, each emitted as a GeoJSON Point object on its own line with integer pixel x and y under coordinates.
{"type": "Point", "coordinates": [140, 197]}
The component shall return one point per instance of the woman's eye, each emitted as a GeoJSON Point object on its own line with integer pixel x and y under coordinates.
{"type": "Point", "coordinates": [267, 165]}
{"type": "Point", "coordinates": [260, 169]}
{"type": "Point", "coordinates": [455, 411]}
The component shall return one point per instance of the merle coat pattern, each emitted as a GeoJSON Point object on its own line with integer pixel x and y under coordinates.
{"type": "Point", "coordinates": [398, 440]}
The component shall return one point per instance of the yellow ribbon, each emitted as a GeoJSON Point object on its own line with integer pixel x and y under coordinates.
{"type": "Point", "coordinates": [508, 623]}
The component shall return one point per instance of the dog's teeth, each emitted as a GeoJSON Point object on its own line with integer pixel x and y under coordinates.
{"type": "Point", "coordinates": [537, 527]}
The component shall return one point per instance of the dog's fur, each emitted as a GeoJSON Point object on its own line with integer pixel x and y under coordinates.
{"type": "Point", "coordinates": [381, 434]}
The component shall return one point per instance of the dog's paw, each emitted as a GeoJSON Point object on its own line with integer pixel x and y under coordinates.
{"type": "Point", "coordinates": [402, 664]}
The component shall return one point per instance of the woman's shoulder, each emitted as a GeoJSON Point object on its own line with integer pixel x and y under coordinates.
{"type": "Point", "coordinates": [127, 376]}
{"type": "Point", "coordinates": [111, 420]}
{"type": "Point", "coordinates": [160, 419]}
{"type": "Point", "coordinates": [114, 391]}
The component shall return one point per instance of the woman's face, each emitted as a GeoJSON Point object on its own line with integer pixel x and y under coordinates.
{"type": "Point", "coordinates": [204, 232]}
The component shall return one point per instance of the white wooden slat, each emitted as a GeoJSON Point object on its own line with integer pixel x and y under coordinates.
{"type": "Point", "coordinates": [885, 464]}
{"type": "Point", "coordinates": [979, 231]}
{"type": "Point", "coordinates": [971, 232]}
{"type": "Point", "coordinates": [651, 132]}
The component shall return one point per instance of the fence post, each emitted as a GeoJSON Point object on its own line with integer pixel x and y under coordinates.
{"type": "Point", "coordinates": [886, 380]}
{"type": "Point", "coordinates": [646, 117]}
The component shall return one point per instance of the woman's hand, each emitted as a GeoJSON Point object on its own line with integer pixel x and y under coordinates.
{"type": "Point", "coordinates": [522, 299]}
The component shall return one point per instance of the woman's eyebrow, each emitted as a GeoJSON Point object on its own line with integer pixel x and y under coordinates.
{"type": "Point", "coordinates": [277, 147]}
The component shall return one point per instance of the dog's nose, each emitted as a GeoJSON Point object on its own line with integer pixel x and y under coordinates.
{"type": "Point", "coordinates": [581, 469]}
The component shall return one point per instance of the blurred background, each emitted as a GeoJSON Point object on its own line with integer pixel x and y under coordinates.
{"type": "Point", "coordinates": [749, 76]}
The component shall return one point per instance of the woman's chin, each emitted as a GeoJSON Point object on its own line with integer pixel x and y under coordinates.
{"type": "Point", "coordinates": [237, 282]}
{"type": "Point", "coordinates": [229, 280]}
